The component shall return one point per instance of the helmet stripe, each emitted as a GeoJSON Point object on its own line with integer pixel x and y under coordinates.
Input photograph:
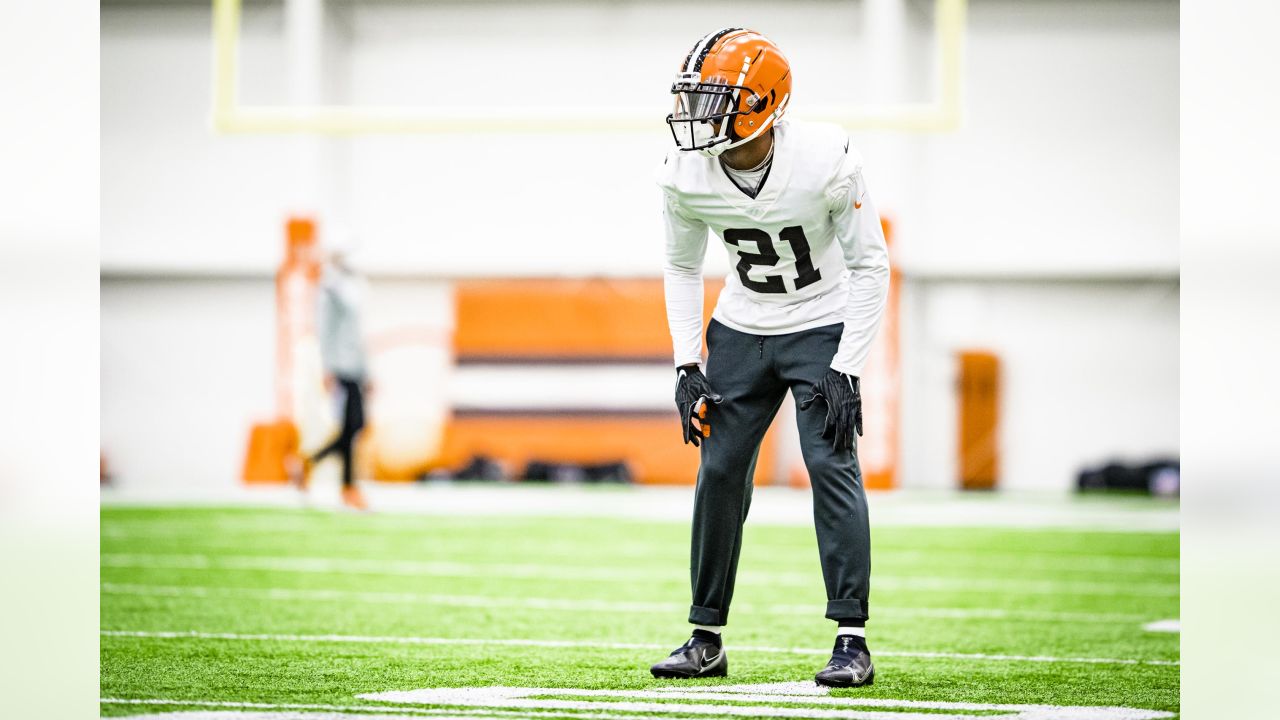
{"type": "Point", "coordinates": [686, 66]}
{"type": "Point", "coordinates": [693, 63]}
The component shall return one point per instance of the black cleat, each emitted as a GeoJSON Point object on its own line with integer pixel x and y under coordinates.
{"type": "Point", "coordinates": [849, 666]}
{"type": "Point", "coordinates": [695, 658]}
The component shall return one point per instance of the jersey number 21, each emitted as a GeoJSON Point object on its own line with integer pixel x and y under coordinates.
{"type": "Point", "coordinates": [806, 273]}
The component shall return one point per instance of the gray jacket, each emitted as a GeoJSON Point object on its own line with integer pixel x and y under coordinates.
{"type": "Point", "coordinates": [338, 325]}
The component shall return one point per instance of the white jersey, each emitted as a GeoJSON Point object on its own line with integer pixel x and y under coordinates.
{"type": "Point", "coordinates": [807, 251]}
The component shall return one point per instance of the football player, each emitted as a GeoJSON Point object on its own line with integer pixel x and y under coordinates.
{"type": "Point", "coordinates": [798, 313]}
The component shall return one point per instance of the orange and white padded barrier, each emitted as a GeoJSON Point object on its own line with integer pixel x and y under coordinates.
{"type": "Point", "coordinates": [299, 391]}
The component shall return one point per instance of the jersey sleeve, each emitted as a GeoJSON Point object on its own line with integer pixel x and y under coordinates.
{"type": "Point", "coordinates": [858, 230]}
{"type": "Point", "coordinates": [682, 280]}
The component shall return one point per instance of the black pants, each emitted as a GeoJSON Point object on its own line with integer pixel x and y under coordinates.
{"type": "Point", "coordinates": [753, 373]}
{"type": "Point", "coordinates": [352, 422]}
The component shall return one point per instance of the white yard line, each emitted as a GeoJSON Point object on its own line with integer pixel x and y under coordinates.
{"type": "Point", "coordinates": [794, 700]}
{"type": "Point", "coordinates": [537, 603]}
{"type": "Point", "coordinates": [1164, 626]}
{"type": "Point", "coordinates": [821, 703]}
{"type": "Point", "coordinates": [150, 529]}
{"type": "Point", "coordinates": [444, 568]}
{"type": "Point", "coordinates": [382, 712]}
{"type": "Point", "coordinates": [397, 640]}
{"type": "Point", "coordinates": [771, 505]}
{"type": "Point", "coordinates": [1037, 561]}
{"type": "Point", "coordinates": [398, 598]}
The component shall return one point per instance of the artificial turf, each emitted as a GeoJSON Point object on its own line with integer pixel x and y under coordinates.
{"type": "Point", "coordinates": [369, 582]}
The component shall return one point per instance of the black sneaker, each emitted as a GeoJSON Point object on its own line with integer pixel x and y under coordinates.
{"type": "Point", "coordinates": [695, 658]}
{"type": "Point", "coordinates": [849, 666]}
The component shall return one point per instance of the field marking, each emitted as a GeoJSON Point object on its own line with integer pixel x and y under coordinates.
{"type": "Point", "coordinates": [272, 711]}
{"type": "Point", "coordinates": [447, 506]}
{"type": "Point", "coordinates": [444, 568]}
{"type": "Point", "coordinates": [1164, 626]}
{"type": "Point", "coordinates": [399, 598]}
{"type": "Point", "coordinates": [536, 603]}
{"type": "Point", "coordinates": [797, 694]}
{"type": "Point", "coordinates": [402, 640]}
{"type": "Point", "coordinates": [1044, 560]}
{"type": "Point", "coordinates": [1053, 562]}
{"type": "Point", "coordinates": [506, 702]}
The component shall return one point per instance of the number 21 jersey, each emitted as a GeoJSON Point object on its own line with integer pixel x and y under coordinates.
{"type": "Point", "coordinates": [806, 251]}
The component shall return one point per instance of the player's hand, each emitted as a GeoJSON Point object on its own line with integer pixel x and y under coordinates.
{"type": "Point", "coordinates": [843, 398]}
{"type": "Point", "coordinates": [693, 393]}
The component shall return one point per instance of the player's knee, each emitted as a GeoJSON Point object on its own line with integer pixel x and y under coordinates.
{"type": "Point", "coordinates": [719, 471]}
{"type": "Point", "coordinates": [833, 469]}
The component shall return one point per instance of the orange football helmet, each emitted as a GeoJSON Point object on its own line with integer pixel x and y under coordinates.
{"type": "Point", "coordinates": [732, 86]}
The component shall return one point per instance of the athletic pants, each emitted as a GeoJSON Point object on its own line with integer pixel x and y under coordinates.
{"type": "Point", "coordinates": [352, 422]}
{"type": "Point", "coordinates": [753, 373]}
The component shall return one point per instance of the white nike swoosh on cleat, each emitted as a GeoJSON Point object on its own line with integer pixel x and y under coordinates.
{"type": "Point", "coordinates": [709, 661]}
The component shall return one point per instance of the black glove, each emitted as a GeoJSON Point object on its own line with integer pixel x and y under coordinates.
{"type": "Point", "coordinates": [692, 387]}
{"type": "Point", "coordinates": [844, 407]}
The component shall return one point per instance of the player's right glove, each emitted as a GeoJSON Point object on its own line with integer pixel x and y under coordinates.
{"type": "Point", "coordinates": [693, 392]}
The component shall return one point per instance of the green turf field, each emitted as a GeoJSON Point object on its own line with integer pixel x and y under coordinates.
{"type": "Point", "coordinates": [238, 613]}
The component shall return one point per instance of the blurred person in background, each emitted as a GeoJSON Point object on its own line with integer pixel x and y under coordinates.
{"type": "Point", "coordinates": [799, 314]}
{"type": "Point", "coordinates": [342, 353]}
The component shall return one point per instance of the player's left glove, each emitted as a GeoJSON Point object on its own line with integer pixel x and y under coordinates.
{"type": "Point", "coordinates": [693, 392]}
{"type": "Point", "coordinates": [844, 407]}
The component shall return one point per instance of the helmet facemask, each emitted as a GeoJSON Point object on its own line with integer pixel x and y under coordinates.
{"type": "Point", "coordinates": [704, 113]}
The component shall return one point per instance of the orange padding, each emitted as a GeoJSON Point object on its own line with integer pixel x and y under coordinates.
{"type": "Point", "coordinates": [270, 446]}
{"type": "Point", "coordinates": [551, 319]}
{"type": "Point", "coordinates": [979, 405]}
{"type": "Point", "coordinates": [650, 445]}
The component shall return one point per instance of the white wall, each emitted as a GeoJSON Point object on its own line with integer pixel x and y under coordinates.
{"type": "Point", "coordinates": [1064, 168]}
{"type": "Point", "coordinates": [187, 366]}
{"type": "Point", "coordinates": [173, 193]}
{"type": "Point", "coordinates": [1068, 158]}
